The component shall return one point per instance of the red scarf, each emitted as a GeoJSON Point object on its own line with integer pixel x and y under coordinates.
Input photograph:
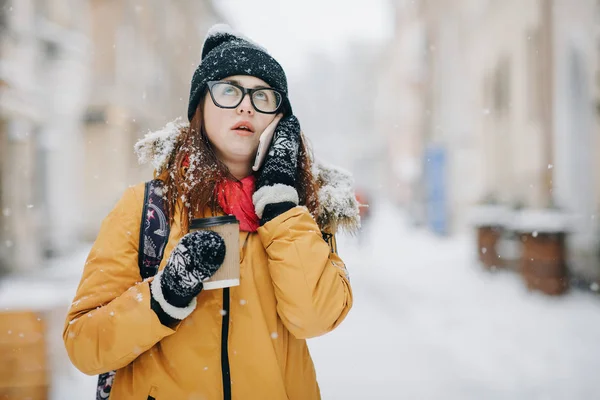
{"type": "Point", "coordinates": [235, 198]}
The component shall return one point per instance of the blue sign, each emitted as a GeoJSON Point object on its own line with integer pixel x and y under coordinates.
{"type": "Point", "coordinates": [435, 189]}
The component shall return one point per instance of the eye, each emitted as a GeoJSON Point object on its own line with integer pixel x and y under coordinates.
{"type": "Point", "coordinates": [229, 90]}
{"type": "Point", "coordinates": [261, 96]}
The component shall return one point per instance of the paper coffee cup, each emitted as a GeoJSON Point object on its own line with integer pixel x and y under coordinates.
{"type": "Point", "coordinates": [228, 227]}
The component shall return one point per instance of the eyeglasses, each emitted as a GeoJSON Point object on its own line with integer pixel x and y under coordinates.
{"type": "Point", "coordinates": [229, 95]}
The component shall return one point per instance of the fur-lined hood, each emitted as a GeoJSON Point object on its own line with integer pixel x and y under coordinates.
{"type": "Point", "coordinates": [339, 209]}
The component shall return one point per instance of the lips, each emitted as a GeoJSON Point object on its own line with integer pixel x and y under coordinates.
{"type": "Point", "coordinates": [243, 128]}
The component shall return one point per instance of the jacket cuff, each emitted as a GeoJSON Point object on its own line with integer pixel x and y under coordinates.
{"type": "Point", "coordinates": [272, 211]}
{"type": "Point", "coordinates": [277, 193]}
{"type": "Point", "coordinates": [163, 317]}
{"type": "Point", "coordinates": [178, 313]}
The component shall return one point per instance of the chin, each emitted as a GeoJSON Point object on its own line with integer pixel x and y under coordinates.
{"type": "Point", "coordinates": [241, 155]}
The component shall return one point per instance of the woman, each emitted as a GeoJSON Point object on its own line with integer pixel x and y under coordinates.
{"type": "Point", "coordinates": [166, 337]}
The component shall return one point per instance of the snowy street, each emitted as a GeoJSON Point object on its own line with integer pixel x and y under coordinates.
{"type": "Point", "coordinates": [427, 323]}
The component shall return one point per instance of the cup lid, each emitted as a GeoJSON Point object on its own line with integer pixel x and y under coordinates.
{"type": "Point", "coordinates": [200, 223]}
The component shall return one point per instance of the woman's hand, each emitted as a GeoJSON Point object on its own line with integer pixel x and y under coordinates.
{"type": "Point", "coordinates": [197, 256]}
{"type": "Point", "coordinates": [275, 186]}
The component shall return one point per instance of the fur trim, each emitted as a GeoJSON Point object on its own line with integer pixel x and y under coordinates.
{"type": "Point", "coordinates": [277, 193]}
{"type": "Point", "coordinates": [179, 313]}
{"type": "Point", "coordinates": [338, 209]}
{"type": "Point", "coordinates": [156, 147]}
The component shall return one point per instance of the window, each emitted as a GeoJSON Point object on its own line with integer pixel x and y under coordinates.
{"type": "Point", "coordinates": [534, 95]}
{"type": "Point", "coordinates": [501, 88]}
{"type": "Point", "coordinates": [4, 9]}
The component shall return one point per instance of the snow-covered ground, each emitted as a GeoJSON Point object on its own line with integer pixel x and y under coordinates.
{"type": "Point", "coordinates": [427, 323]}
{"type": "Point", "coordinates": [50, 291]}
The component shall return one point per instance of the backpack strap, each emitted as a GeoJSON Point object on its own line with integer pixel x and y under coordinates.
{"type": "Point", "coordinates": [154, 234]}
{"type": "Point", "coordinates": [104, 386]}
{"type": "Point", "coordinates": [154, 229]}
{"type": "Point", "coordinates": [330, 239]}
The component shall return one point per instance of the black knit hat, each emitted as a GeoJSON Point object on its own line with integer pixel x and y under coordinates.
{"type": "Point", "coordinates": [226, 53]}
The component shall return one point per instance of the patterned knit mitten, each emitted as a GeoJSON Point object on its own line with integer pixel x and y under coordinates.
{"type": "Point", "coordinates": [195, 259]}
{"type": "Point", "coordinates": [276, 184]}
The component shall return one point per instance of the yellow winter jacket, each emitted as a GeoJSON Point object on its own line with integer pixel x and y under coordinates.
{"type": "Point", "coordinates": [249, 338]}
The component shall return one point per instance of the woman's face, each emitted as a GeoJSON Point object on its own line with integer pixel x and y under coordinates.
{"type": "Point", "coordinates": [231, 142]}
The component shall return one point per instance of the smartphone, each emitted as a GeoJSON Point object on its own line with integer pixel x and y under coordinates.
{"type": "Point", "coordinates": [264, 142]}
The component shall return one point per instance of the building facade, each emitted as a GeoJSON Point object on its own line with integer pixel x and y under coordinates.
{"type": "Point", "coordinates": [509, 111]}
{"type": "Point", "coordinates": [80, 82]}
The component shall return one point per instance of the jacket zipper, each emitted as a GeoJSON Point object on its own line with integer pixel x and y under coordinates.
{"type": "Point", "coordinates": [225, 373]}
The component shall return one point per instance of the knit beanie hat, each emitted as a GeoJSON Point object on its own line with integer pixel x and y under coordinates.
{"type": "Point", "coordinates": [226, 53]}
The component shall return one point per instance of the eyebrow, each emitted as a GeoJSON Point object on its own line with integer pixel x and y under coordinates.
{"type": "Point", "coordinates": [239, 83]}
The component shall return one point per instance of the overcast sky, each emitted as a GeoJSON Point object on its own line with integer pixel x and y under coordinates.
{"type": "Point", "coordinates": [291, 29]}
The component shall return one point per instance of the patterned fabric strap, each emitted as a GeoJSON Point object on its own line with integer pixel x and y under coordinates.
{"type": "Point", "coordinates": [154, 234]}
{"type": "Point", "coordinates": [105, 382]}
{"type": "Point", "coordinates": [154, 231]}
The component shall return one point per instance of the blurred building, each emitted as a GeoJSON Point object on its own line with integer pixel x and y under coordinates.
{"type": "Point", "coordinates": [502, 106]}
{"type": "Point", "coordinates": [144, 56]}
{"type": "Point", "coordinates": [44, 53]}
{"type": "Point", "coordinates": [400, 112]}
{"type": "Point", "coordinates": [80, 82]}
{"type": "Point", "coordinates": [344, 85]}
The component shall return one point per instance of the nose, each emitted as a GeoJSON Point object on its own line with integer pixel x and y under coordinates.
{"type": "Point", "coordinates": [245, 107]}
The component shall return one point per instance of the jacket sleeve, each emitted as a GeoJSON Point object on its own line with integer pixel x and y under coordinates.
{"type": "Point", "coordinates": [110, 321]}
{"type": "Point", "coordinates": [310, 280]}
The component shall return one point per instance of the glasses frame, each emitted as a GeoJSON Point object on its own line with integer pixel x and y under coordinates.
{"type": "Point", "coordinates": [245, 91]}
